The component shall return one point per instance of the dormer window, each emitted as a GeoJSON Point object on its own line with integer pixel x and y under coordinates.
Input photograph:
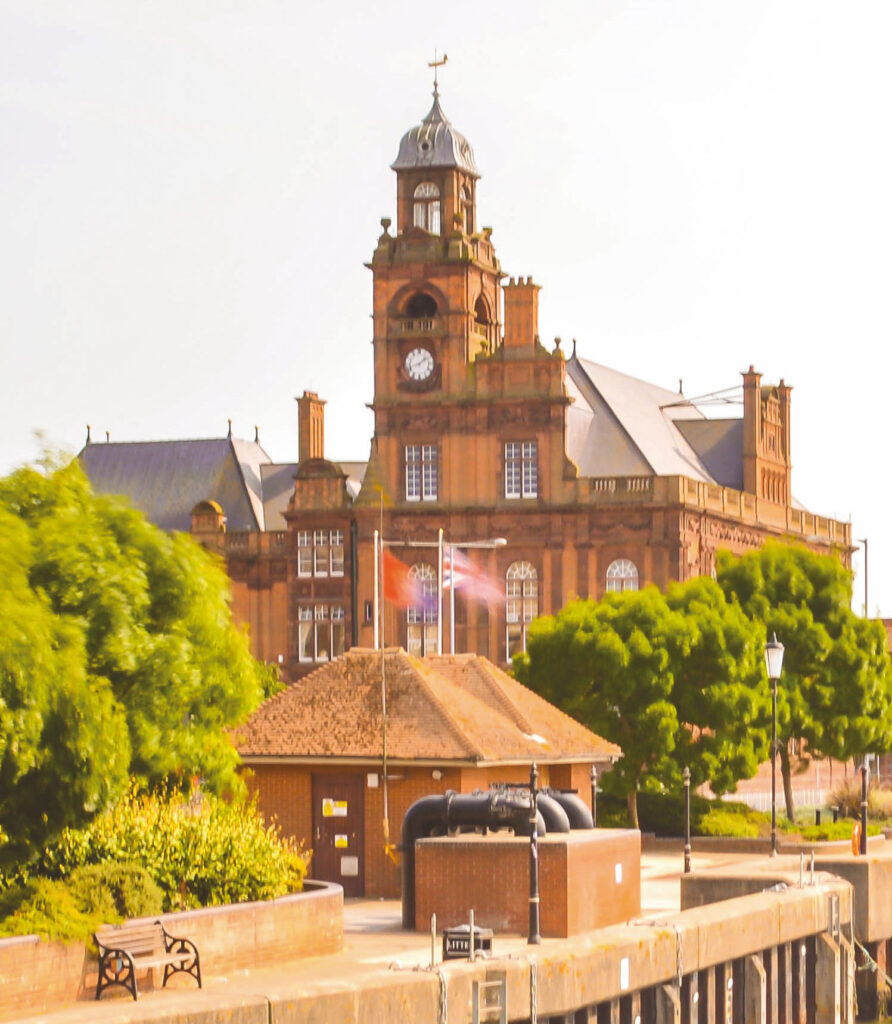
{"type": "Point", "coordinates": [427, 207]}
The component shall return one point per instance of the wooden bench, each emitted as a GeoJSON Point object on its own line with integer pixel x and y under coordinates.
{"type": "Point", "coordinates": [129, 947]}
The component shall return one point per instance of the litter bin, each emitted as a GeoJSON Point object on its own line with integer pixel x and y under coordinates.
{"type": "Point", "coordinates": [457, 942]}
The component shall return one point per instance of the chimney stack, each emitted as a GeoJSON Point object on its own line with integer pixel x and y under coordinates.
{"type": "Point", "coordinates": [521, 313]}
{"type": "Point", "coordinates": [310, 426]}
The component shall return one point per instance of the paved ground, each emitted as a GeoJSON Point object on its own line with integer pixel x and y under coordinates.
{"type": "Point", "coordinates": [373, 940]}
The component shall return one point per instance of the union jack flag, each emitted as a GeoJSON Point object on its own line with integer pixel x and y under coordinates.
{"type": "Point", "coordinates": [459, 571]}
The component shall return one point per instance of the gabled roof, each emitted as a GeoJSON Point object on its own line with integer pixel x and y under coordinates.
{"type": "Point", "coordinates": [621, 426]}
{"type": "Point", "coordinates": [458, 708]}
{"type": "Point", "coordinates": [277, 479]}
{"type": "Point", "coordinates": [166, 479]}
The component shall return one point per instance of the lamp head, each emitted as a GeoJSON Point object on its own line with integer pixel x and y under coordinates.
{"type": "Point", "coordinates": [774, 657]}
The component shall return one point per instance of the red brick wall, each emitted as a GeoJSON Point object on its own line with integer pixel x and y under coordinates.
{"type": "Point", "coordinates": [36, 976]}
{"type": "Point", "coordinates": [578, 883]}
{"type": "Point", "coordinates": [284, 793]}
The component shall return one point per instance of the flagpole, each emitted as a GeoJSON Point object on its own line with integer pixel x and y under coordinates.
{"type": "Point", "coordinates": [452, 599]}
{"type": "Point", "coordinates": [375, 613]}
{"type": "Point", "coordinates": [440, 591]}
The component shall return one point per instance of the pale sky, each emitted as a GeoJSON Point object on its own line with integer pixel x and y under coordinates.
{"type": "Point", "coordinates": [189, 190]}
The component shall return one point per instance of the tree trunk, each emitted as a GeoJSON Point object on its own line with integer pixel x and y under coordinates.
{"type": "Point", "coordinates": [632, 804]}
{"type": "Point", "coordinates": [786, 774]}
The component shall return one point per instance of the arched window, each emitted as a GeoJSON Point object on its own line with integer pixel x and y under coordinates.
{"type": "Point", "coordinates": [427, 207]}
{"type": "Point", "coordinates": [622, 575]}
{"type": "Point", "coordinates": [467, 210]}
{"type": "Point", "coordinates": [421, 620]}
{"type": "Point", "coordinates": [521, 604]}
{"type": "Point", "coordinates": [481, 312]}
{"type": "Point", "coordinates": [421, 305]}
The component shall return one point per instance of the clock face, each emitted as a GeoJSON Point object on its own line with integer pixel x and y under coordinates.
{"type": "Point", "coordinates": [419, 364]}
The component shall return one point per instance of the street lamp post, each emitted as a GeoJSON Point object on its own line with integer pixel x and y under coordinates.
{"type": "Point", "coordinates": [686, 775]}
{"type": "Point", "coordinates": [534, 938]}
{"type": "Point", "coordinates": [865, 778]}
{"type": "Point", "coordinates": [594, 779]}
{"type": "Point", "coordinates": [774, 660]}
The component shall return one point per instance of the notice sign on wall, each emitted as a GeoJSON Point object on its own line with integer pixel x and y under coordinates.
{"type": "Point", "coordinates": [340, 842]}
{"type": "Point", "coordinates": [334, 808]}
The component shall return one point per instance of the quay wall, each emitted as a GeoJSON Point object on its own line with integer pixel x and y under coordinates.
{"type": "Point", "coordinates": [761, 958]}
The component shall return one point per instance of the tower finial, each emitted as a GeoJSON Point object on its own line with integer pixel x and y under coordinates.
{"type": "Point", "coordinates": [436, 65]}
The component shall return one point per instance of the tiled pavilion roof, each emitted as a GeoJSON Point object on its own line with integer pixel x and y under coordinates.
{"type": "Point", "coordinates": [458, 708]}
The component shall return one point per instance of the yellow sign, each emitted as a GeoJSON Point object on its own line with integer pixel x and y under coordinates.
{"type": "Point", "coordinates": [340, 842]}
{"type": "Point", "coordinates": [334, 808]}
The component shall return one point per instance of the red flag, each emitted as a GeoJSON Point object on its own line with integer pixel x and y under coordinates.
{"type": "Point", "coordinates": [399, 588]}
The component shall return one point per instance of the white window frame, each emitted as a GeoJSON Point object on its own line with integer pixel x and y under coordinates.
{"type": "Point", "coordinates": [521, 605]}
{"type": "Point", "coordinates": [421, 472]}
{"type": "Point", "coordinates": [521, 469]}
{"type": "Point", "coordinates": [622, 574]}
{"type": "Point", "coordinates": [304, 553]}
{"type": "Point", "coordinates": [321, 632]}
{"type": "Point", "coordinates": [426, 208]}
{"type": "Point", "coordinates": [422, 634]}
{"type": "Point", "coordinates": [320, 553]}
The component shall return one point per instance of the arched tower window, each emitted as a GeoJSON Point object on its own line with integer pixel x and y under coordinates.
{"type": "Point", "coordinates": [481, 313]}
{"type": "Point", "coordinates": [426, 212]}
{"type": "Point", "coordinates": [521, 604]}
{"type": "Point", "coordinates": [421, 620]}
{"type": "Point", "coordinates": [421, 306]}
{"type": "Point", "coordinates": [467, 210]}
{"type": "Point", "coordinates": [622, 575]}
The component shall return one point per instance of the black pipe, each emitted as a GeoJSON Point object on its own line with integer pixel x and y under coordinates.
{"type": "Point", "coordinates": [553, 813]}
{"type": "Point", "coordinates": [574, 807]}
{"type": "Point", "coordinates": [493, 810]}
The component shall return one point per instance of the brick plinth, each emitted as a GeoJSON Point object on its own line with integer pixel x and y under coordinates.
{"type": "Point", "coordinates": [587, 879]}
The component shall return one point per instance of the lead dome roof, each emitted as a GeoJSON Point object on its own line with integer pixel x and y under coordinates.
{"type": "Point", "coordinates": [435, 143]}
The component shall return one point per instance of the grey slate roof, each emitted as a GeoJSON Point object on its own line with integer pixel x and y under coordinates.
{"type": "Point", "coordinates": [622, 426]}
{"type": "Point", "coordinates": [719, 443]}
{"type": "Point", "coordinates": [166, 479]}
{"type": "Point", "coordinates": [435, 143]}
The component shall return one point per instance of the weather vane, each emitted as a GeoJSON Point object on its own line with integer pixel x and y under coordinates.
{"type": "Point", "coordinates": [437, 64]}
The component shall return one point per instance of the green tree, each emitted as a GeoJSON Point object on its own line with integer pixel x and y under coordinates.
{"type": "Point", "coordinates": [723, 707]}
{"type": "Point", "coordinates": [835, 693]}
{"type": "Point", "coordinates": [118, 656]}
{"type": "Point", "coordinates": [674, 680]}
{"type": "Point", "coordinates": [610, 665]}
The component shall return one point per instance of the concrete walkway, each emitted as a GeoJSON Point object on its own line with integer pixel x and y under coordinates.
{"type": "Point", "coordinates": [375, 949]}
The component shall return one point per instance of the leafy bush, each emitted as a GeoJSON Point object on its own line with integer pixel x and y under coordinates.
{"type": "Point", "coordinates": [202, 853]}
{"type": "Point", "coordinates": [721, 822]}
{"type": "Point", "coordinates": [49, 909]}
{"type": "Point", "coordinates": [116, 891]}
{"type": "Point", "coordinates": [833, 830]}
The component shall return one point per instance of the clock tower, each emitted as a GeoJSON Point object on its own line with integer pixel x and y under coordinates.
{"type": "Point", "coordinates": [436, 302]}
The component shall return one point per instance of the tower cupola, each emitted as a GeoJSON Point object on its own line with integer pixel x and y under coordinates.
{"type": "Point", "coordinates": [435, 143]}
{"type": "Point", "coordinates": [436, 177]}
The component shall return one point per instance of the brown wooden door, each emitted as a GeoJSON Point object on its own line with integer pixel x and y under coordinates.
{"type": "Point", "coordinates": [338, 831]}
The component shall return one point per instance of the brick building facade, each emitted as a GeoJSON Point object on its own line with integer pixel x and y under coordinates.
{"type": "Point", "coordinates": [593, 479]}
{"type": "Point", "coordinates": [316, 752]}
